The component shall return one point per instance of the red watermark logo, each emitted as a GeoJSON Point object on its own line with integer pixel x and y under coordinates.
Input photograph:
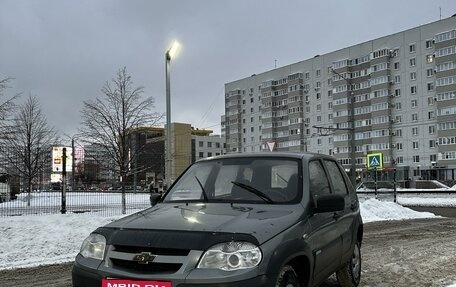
{"type": "Point", "coordinates": [133, 283]}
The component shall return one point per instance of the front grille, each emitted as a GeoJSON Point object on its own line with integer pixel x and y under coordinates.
{"type": "Point", "coordinates": [153, 267]}
{"type": "Point", "coordinates": [153, 250]}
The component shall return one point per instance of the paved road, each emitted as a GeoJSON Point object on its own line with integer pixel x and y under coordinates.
{"type": "Point", "coordinates": [442, 211]}
{"type": "Point", "coordinates": [399, 253]}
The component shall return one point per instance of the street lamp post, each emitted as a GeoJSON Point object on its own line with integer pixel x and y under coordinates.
{"type": "Point", "coordinates": [72, 165]}
{"type": "Point", "coordinates": [168, 56]}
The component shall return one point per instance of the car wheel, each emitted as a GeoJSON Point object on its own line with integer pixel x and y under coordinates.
{"type": "Point", "coordinates": [287, 277]}
{"type": "Point", "coordinates": [350, 274]}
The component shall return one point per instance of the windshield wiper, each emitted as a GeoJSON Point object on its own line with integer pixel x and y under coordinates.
{"type": "Point", "coordinates": [254, 191]}
{"type": "Point", "coordinates": [206, 199]}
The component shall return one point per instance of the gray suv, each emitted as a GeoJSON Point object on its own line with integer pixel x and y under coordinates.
{"type": "Point", "coordinates": [262, 219]}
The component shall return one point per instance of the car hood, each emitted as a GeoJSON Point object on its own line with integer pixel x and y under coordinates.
{"type": "Point", "coordinates": [260, 221]}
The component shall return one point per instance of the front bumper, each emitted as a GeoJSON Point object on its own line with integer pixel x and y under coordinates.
{"type": "Point", "coordinates": [89, 272]}
{"type": "Point", "coordinates": [85, 278]}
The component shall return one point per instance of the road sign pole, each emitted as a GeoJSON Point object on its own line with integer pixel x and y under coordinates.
{"type": "Point", "coordinates": [63, 210]}
{"type": "Point", "coordinates": [375, 182]}
{"type": "Point", "coordinates": [395, 189]}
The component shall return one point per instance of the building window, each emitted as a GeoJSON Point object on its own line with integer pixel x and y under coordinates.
{"type": "Point", "coordinates": [201, 155]}
{"type": "Point", "coordinates": [399, 146]}
{"type": "Point", "coordinates": [397, 92]}
{"type": "Point", "coordinates": [414, 117]}
{"type": "Point", "coordinates": [400, 159]}
{"type": "Point", "coordinates": [217, 145]}
{"type": "Point", "coordinates": [398, 119]}
{"type": "Point", "coordinates": [429, 72]}
{"type": "Point", "coordinates": [431, 130]}
{"type": "Point", "coordinates": [429, 59]}
{"type": "Point", "coordinates": [252, 129]}
{"type": "Point", "coordinates": [413, 76]}
{"type": "Point", "coordinates": [209, 144]}
{"type": "Point", "coordinates": [432, 143]}
{"type": "Point", "coordinates": [414, 103]}
{"type": "Point", "coordinates": [318, 73]}
{"type": "Point", "coordinates": [430, 86]}
{"type": "Point", "coordinates": [412, 62]}
{"type": "Point", "coordinates": [201, 144]}
{"type": "Point", "coordinates": [416, 158]}
{"type": "Point", "coordinates": [398, 106]}
{"type": "Point", "coordinates": [415, 131]}
{"type": "Point", "coordinates": [397, 79]}
{"type": "Point", "coordinates": [307, 75]}
{"type": "Point", "coordinates": [398, 133]}
{"type": "Point", "coordinates": [319, 107]}
{"type": "Point", "coordinates": [412, 48]}
{"type": "Point", "coordinates": [429, 44]}
{"type": "Point", "coordinates": [413, 90]}
{"type": "Point", "coordinates": [209, 154]}
{"type": "Point", "coordinates": [433, 157]}
{"type": "Point", "coordinates": [396, 66]}
{"type": "Point", "coordinates": [431, 115]}
{"type": "Point", "coordinates": [415, 145]}
{"type": "Point", "coordinates": [319, 141]}
{"type": "Point", "coordinates": [319, 119]}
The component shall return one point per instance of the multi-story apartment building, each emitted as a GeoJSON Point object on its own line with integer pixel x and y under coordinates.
{"type": "Point", "coordinates": [395, 95]}
{"type": "Point", "coordinates": [207, 145]}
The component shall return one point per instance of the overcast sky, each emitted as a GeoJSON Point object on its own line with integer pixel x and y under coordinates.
{"type": "Point", "coordinates": [64, 51]}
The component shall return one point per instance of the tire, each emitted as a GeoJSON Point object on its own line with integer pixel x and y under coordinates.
{"type": "Point", "coordinates": [287, 277]}
{"type": "Point", "coordinates": [350, 274]}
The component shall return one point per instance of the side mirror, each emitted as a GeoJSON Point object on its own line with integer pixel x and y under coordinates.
{"type": "Point", "coordinates": [155, 198]}
{"type": "Point", "coordinates": [330, 203]}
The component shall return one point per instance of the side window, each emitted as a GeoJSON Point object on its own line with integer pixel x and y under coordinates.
{"type": "Point", "coordinates": [319, 184]}
{"type": "Point", "coordinates": [337, 178]}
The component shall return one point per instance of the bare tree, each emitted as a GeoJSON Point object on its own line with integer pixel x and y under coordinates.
{"type": "Point", "coordinates": [108, 121]}
{"type": "Point", "coordinates": [28, 138]}
{"type": "Point", "coordinates": [7, 104]}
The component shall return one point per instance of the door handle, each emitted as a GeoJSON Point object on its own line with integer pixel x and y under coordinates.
{"type": "Point", "coordinates": [353, 206]}
{"type": "Point", "coordinates": [336, 215]}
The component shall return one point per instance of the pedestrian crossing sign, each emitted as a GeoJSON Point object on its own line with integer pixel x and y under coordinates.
{"type": "Point", "coordinates": [375, 160]}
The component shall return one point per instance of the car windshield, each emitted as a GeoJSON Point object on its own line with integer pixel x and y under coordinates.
{"type": "Point", "coordinates": [248, 180]}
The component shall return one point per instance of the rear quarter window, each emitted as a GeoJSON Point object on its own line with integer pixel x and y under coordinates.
{"type": "Point", "coordinates": [337, 179]}
{"type": "Point", "coordinates": [318, 181]}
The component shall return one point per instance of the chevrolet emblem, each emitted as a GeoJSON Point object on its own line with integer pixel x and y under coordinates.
{"type": "Point", "coordinates": [144, 258]}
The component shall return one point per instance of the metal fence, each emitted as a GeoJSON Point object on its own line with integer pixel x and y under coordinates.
{"type": "Point", "coordinates": [50, 202]}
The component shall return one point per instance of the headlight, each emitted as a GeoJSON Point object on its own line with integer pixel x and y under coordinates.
{"type": "Point", "coordinates": [231, 256]}
{"type": "Point", "coordinates": [94, 246]}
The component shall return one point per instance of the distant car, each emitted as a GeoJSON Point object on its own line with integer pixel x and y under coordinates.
{"type": "Point", "coordinates": [5, 192]}
{"type": "Point", "coordinates": [264, 219]}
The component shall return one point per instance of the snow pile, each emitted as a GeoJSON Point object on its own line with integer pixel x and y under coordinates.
{"type": "Point", "coordinates": [39, 240]}
{"type": "Point", "coordinates": [375, 210]}
{"type": "Point", "coordinates": [441, 200]}
{"type": "Point", "coordinates": [439, 184]}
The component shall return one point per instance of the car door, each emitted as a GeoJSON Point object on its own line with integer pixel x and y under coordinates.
{"type": "Point", "coordinates": [344, 219]}
{"type": "Point", "coordinates": [324, 240]}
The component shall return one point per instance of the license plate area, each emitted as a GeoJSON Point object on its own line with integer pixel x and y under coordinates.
{"type": "Point", "coordinates": [133, 283]}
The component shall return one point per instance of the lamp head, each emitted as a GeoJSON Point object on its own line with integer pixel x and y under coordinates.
{"type": "Point", "coordinates": [173, 51]}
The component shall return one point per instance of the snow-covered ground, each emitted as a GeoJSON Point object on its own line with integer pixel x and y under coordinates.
{"type": "Point", "coordinates": [38, 240]}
